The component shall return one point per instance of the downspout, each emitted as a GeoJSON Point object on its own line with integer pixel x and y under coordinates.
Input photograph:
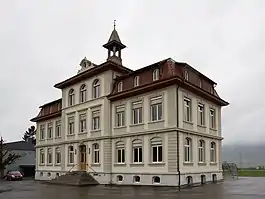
{"type": "Point", "coordinates": [178, 169]}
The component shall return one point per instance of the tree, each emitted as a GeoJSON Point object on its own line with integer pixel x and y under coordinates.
{"type": "Point", "coordinates": [7, 157]}
{"type": "Point", "coordinates": [30, 135]}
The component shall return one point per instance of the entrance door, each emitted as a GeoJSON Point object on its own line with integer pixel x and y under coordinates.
{"type": "Point", "coordinates": [83, 163]}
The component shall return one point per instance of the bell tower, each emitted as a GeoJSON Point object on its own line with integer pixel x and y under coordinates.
{"type": "Point", "coordinates": [114, 47]}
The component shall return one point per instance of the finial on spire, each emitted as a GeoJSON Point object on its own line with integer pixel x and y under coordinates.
{"type": "Point", "coordinates": [114, 24]}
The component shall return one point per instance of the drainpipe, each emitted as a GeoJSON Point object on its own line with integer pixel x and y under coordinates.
{"type": "Point", "coordinates": [178, 170]}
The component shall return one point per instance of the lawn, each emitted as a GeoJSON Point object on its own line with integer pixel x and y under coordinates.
{"type": "Point", "coordinates": [251, 173]}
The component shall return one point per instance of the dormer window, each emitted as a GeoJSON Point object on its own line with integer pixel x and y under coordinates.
{"type": "Point", "coordinates": [186, 75]}
{"type": "Point", "coordinates": [155, 75]}
{"type": "Point", "coordinates": [136, 81]}
{"type": "Point", "coordinates": [200, 83]}
{"type": "Point", "coordinates": [119, 86]}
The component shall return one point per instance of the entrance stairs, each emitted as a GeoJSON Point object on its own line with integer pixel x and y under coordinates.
{"type": "Point", "coordinates": [75, 178]}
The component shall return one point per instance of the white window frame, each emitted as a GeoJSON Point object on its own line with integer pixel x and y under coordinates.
{"type": "Point", "coordinates": [120, 149]}
{"type": "Point", "coordinates": [213, 152]}
{"type": "Point", "coordinates": [187, 110]}
{"type": "Point", "coordinates": [58, 129]}
{"type": "Point", "coordinates": [83, 93]}
{"type": "Point", "coordinates": [42, 157]}
{"type": "Point", "coordinates": [137, 146]}
{"type": "Point", "coordinates": [156, 74]}
{"type": "Point", "coordinates": [96, 120]}
{"type": "Point", "coordinates": [71, 97]}
{"type": "Point", "coordinates": [201, 115]}
{"type": "Point", "coordinates": [201, 149]}
{"type": "Point", "coordinates": [82, 123]}
{"type": "Point", "coordinates": [136, 81]}
{"type": "Point", "coordinates": [71, 153]}
{"type": "Point", "coordinates": [212, 118]}
{"type": "Point", "coordinates": [120, 116]}
{"type": "Point", "coordinates": [71, 125]}
{"type": "Point", "coordinates": [188, 150]}
{"type": "Point", "coordinates": [137, 113]}
{"type": "Point", "coordinates": [42, 132]}
{"type": "Point", "coordinates": [156, 103]}
{"type": "Point", "coordinates": [58, 156]}
{"type": "Point", "coordinates": [156, 143]}
{"type": "Point", "coordinates": [186, 75]}
{"type": "Point", "coordinates": [96, 89]}
{"type": "Point", "coordinates": [50, 131]}
{"type": "Point", "coordinates": [120, 85]}
{"type": "Point", "coordinates": [49, 156]}
{"type": "Point", "coordinates": [96, 153]}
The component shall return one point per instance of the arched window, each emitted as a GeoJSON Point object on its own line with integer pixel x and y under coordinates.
{"type": "Point", "coordinates": [119, 86]}
{"type": "Point", "coordinates": [120, 152]}
{"type": "Point", "coordinates": [189, 180]}
{"type": "Point", "coordinates": [201, 151]}
{"type": "Point", "coordinates": [57, 156]}
{"type": "Point", "coordinates": [136, 179]}
{"type": "Point", "coordinates": [136, 81]}
{"type": "Point", "coordinates": [213, 152]}
{"type": "Point", "coordinates": [42, 156]}
{"type": "Point", "coordinates": [119, 178]}
{"type": "Point", "coordinates": [156, 149]}
{"type": "Point", "coordinates": [96, 89]}
{"type": "Point", "coordinates": [96, 153]}
{"type": "Point", "coordinates": [71, 97]}
{"type": "Point", "coordinates": [48, 174]}
{"type": "Point", "coordinates": [49, 156]}
{"type": "Point", "coordinates": [156, 180]}
{"type": "Point", "coordinates": [187, 150]}
{"type": "Point", "coordinates": [83, 92]}
{"type": "Point", "coordinates": [71, 155]}
{"type": "Point", "coordinates": [137, 151]}
{"type": "Point", "coordinates": [156, 75]}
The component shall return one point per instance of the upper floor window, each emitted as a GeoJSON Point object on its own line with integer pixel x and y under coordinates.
{"type": "Point", "coordinates": [156, 74]}
{"type": "Point", "coordinates": [49, 156]}
{"type": "Point", "coordinates": [136, 81]}
{"type": "Point", "coordinates": [42, 132]}
{"type": "Point", "coordinates": [120, 152]}
{"type": "Point", "coordinates": [83, 92]}
{"type": "Point", "coordinates": [82, 123]}
{"type": "Point", "coordinates": [96, 89]}
{"type": "Point", "coordinates": [50, 130]}
{"type": "Point", "coordinates": [137, 112]}
{"type": "Point", "coordinates": [201, 120]}
{"type": "Point", "coordinates": [71, 124]}
{"type": "Point", "coordinates": [201, 151]}
{"type": "Point", "coordinates": [187, 110]}
{"type": "Point", "coordinates": [42, 156]}
{"type": "Point", "coordinates": [156, 108]}
{"type": "Point", "coordinates": [57, 156]}
{"type": "Point", "coordinates": [156, 149]}
{"type": "Point", "coordinates": [213, 152]}
{"type": "Point", "coordinates": [120, 116]}
{"type": "Point", "coordinates": [137, 151]}
{"type": "Point", "coordinates": [186, 75]}
{"type": "Point", "coordinates": [71, 155]}
{"type": "Point", "coordinates": [119, 86]}
{"type": "Point", "coordinates": [212, 119]}
{"type": "Point", "coordinates": [58, 129]}
{"type": "Point", "coordinates": [95, 120]}
{"type": "Point", "coordinates": [200, 83]}
{"type": "Point", "coordinates": [187, 150]}
{"type": "Point", "coordinates": [71, 99]}
{"type": "Point", "coordinates": [95, 153]}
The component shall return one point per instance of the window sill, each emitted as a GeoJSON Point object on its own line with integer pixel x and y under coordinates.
{"type": "Point", "coordinates": [95, 165]}
{"type": "Point", "coordinates": [188, 163]}
{"type": "Point", "coordinates": [157, 164]}
{"type": "Point", "coordinates": [82, 133]}
{"type": "Point", "coordinates": [139, 124]}
{"type": "Point", "coordinates": [70, 164]}
{"type": "Point", "coordinates": [49, 139]}
{"type": "Point", "coordinates": [119, 127]}
{"type": "Point", "coordinates": [57, 164]}
{"type": "Point", "coordinates": [213, 163]}
{"type": "Point", "coordinates": [188, 122]}
{"type": "Point", "coordinates": [213, 129]}
{"type": "Point", "coordinates": [70, 135]}
{"type": "Point", "coordinates": [202, 126]}
{"type": "Point", "coordinates": [119, 164]}
{"type": "Point", "coordinates": [95, 130]}
{"type": "Point", "coordinates": [42, 164]}
{"type": "Point", "coordinates": [137, 164]}
{"type": "Point", "coordinates": [202, 163]}
{"type": "Point", "coordinates": [156, 121]}
{"type": "Point", "coordinates": [42, 140]}
{"type": "Point", "coordinates": [59, 137]}
{"type": "Point", "coordinates": [49, 165]}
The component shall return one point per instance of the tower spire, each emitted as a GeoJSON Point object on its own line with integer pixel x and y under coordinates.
{"type": "Point", "coordinates": [114, 46]}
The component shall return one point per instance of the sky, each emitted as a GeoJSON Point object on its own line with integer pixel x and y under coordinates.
{"type": "Point", "coordinates": [43, 42]}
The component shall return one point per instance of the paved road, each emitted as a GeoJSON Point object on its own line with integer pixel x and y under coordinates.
{"type": "Point", "coordinates": [244, 188]}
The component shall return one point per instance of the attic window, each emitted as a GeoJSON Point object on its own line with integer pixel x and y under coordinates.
{"type": "Point", "coordinates": [136, 81]}
{"type": "Point", "coordinates": [155, 75]}
{"type": "Point", "coordinates": [120, 87]}
{"type": "Point", "coordinates": [200, 83]}
{"type": "Point", "coordinates": [186, 75]}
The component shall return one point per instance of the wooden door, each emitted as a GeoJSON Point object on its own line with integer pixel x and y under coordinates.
{"type": "Point", "coordinates": [83, 159]}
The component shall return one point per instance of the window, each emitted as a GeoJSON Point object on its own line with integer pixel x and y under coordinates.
{"type": "Point", "coordinates": [213, 152]}
{"type": "Point", "coordinates": [156, 108]}
{"type": "Point", "coordinates": [83, 92]}
{"type": "Point", "coordinates": [57, 156]}
{"type": "Point", "coordinates": [82, 123]}
{"type": "Point", "coordinates": [187, 150]}
{"type": "Point", "coordinates": [201, 115]}
{"type": "Point", "coordinates": [120, 116]}
{"type": "Point", "coordinates": [49, 156]}
{"type": "Point", "coordinates": [120, 151]}
{"type": "Point", "coordinates": [137, 112]}
{"type": "Point", "coordinates": [136, 179]}
{"type": "Point", "coordinates": [42, 132]}
{"type": "Point", "coordinates": [49, 130]}
{"type": "Point", "coordinates": [187, 110]}
{"type": "Point", "coordinates": [137, 151]}
{"type": "Point", "coordinates": [119, 86]}
{"type": "Point", "coordinates": [201, 151]}
{"type": "Point", "coordinates": [58, 129]}
{"type": "Point", "coordinates": [71, 99]}
{"type": "Point", "coordinates": [212, 119]}
{"type": "Point", "coordinates": [71, 155]}
{"type": "Point", "coordinates": [136, 81]}
{"type": "Point", "coordinates": [71, 124]}
{"type": "Point", "coordinates": [186, 75]}
{"type": "Point", "coordinates": [42, 156]}
{"type": "Point", "coordinates": [155, 75]}
{"type": "Point", "coordinates": [96, 153]}
{"type": "Point", "coordinates": [95, 120]}
{"type": "Point", "coordinates": [119, 178]}
{"type": "Point", "coordinates": [156, 180]}
{"type": "Point", "coordinates": [49, 174]}
{"type": "Point", "coordinates": [96, 89]}
{"type": "Point", "coordinates": [200, 83]}
{"type": "Point", "coordinates": [156, 150]}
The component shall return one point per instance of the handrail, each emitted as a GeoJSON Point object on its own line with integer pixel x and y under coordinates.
{"type": "Point", "coordinates": [91, 168]}
{"type": "Point", "coordinates": [71, 168]}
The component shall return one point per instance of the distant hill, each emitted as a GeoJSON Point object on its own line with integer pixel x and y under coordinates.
{"type": "Point", "coordinates": [248, 155]}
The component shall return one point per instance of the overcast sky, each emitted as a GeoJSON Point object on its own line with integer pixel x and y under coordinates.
{"type": "Point", "coordinates": [43, 42]}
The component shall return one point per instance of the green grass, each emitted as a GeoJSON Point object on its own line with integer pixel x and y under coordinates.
{"type": "Point", "coordinates": [251, 173]}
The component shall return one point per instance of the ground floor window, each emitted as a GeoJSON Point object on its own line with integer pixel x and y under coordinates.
{"type": "Point", "coordinates": [136, 179]}
{"type": "Point", "coordinates": [119, 178]}
{"type": "Point", "coordinates": [156, 179]}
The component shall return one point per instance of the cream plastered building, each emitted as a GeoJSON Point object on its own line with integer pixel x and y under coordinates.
{"type": "Point", "coordinates": [158, 125]}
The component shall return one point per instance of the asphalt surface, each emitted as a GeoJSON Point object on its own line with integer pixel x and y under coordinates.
{"type": "Point", "coordinates": [243, 188]}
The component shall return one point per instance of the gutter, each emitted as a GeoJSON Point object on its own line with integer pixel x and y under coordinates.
{"type": "Point", "coordinates": [178, 169]}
